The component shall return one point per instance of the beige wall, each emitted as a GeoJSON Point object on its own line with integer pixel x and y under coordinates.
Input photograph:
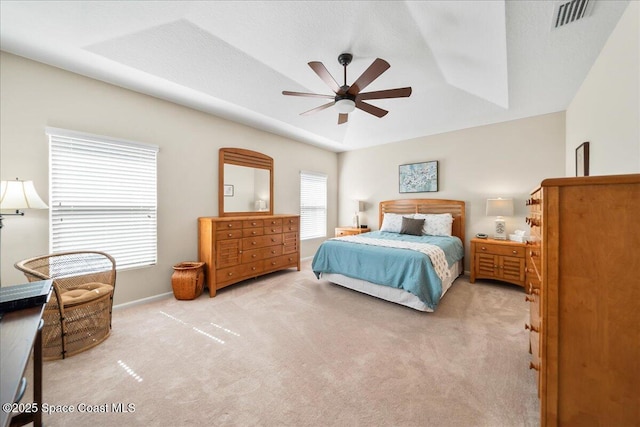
{"type": "Point", "coordinates": [501, 160]}
{"type": "Point", "coordinates": [606, 109]}
{"type": "Point", "coordinates": [35, 96]}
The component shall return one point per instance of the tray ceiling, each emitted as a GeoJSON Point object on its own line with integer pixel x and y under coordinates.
{"type": "Point", "coordinates": [469, 63]}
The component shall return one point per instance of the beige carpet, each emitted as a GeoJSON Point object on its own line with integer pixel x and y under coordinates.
{"type": "Point", "coordinates": [290, 350]}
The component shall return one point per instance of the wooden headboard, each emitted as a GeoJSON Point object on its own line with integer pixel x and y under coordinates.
{"type": "Point", "coordinates": [426, 206]}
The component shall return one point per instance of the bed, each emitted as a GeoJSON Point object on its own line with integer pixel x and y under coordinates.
{"type": "Point", "coordinates": [412, 260]}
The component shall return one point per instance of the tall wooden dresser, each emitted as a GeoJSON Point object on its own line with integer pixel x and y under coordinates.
{"type": "Point", "coordinates": [242, 247]}
{"type": "Point", "coordinates": [582, 270]}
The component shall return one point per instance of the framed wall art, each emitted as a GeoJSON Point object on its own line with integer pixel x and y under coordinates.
{"type": "Point", "coordinates": [419, 177]}
{"type": "Point", "coordinates": [228, 190]}
{"type": "Point", "coordinates": [582, 159]}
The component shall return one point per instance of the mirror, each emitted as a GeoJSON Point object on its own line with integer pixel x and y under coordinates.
{"type": "Point", "coordinates": [245, 183]}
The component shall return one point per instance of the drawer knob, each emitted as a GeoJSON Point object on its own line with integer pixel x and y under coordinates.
{"type": "Point", "coordinates": [530, 327]}
{"type": "Point", "coordinates": [533, 222]}
{"type": "Point", "coordinates": [515, 252]}
{"type": "Point", "coordinates": [533, 366]}
{"type": "Point", "coordinates": [229, 225]}
{"type": "Point", "coordinates": [273, 252]}
{"type": "Point", "coordinates": [483, 248]}
{"type": "Point", "coordinates": [273, 240]}
{"type": "Point", "coordinates": [273, 263]}
{"type": "Point", "coordinates": [253, 256]}
{"type": "Point", "coordinates": [253, 223]}
{"type": "Point", "coordinates": [230, 274]}
{"type": "Point", "coordinates": [253, 232]}
{"type": "Point", "coordinates": [230, 234]}
{"type": "Point", "coordinates": [273, 230]}
{"type": "Point", "coordinates": [253, 268]}
{"type": "Point", "coordinates": [254, 243]}
{"type": "Point", "coordinates": [529, 299]}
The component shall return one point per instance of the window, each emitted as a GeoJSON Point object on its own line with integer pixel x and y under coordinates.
{"type": "Point", "coordinates": [313, 205]}
{"type": "Point", "coordinates": [103, 196]}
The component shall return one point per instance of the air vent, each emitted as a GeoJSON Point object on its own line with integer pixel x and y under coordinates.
{"type": "Point", "coordinates": [568, 11]}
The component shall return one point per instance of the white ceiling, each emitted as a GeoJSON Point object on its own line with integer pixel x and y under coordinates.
{"type": "Point", "coordinates": [469, 63]}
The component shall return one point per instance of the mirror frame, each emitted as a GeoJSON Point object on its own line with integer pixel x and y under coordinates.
{"type": "Point", "coordinates": [248, 158]}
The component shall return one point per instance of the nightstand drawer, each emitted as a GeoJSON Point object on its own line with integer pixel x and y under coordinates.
{"type": "Point", "coordinates": [515, 251]}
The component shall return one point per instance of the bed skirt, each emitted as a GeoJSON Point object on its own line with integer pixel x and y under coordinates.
{"type": "Point", "coordinates": [399, 296]}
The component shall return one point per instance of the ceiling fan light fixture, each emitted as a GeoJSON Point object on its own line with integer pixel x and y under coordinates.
{"type": "Point", "coordinates": [345, 106]}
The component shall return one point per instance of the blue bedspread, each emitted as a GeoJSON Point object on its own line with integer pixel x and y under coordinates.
{"type": "Point", "coordinates": [399, 268]}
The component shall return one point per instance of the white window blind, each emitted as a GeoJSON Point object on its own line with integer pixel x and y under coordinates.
{"type": "Point", "coordinates": [103, 196]}
{"type": "Point", "coordinates": [313, 205]}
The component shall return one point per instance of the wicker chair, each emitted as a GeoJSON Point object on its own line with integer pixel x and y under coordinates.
{"type": "Point", "coordinates": [78, 314]}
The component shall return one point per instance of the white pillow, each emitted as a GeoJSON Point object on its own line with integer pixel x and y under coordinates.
{"type": "Point", "coordinates": [436, 224]}
{"type": "Point", "coordinates": [392, 222]}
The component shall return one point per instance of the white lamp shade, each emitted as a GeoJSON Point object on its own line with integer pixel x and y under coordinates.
{"type": "Point", "coordinates": [345, 106]}
{"type": "Point", "coordinates": [20, 195]}
{"type": "Point", "coordinates": [358, 206]}
{"type": "Point", "coordinates": [499, 207]}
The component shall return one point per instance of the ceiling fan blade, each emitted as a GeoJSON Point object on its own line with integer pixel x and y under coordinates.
{"type": "Point", "coordinates": [320, 108]}
{"type": "Point", "coordinates": [312, 95]}
{"type": "Point", "coordinates": [322, 72]}
{"type": "Point", "coordinates": [371, 109]}
{"type": "Point", "coordinates": [342, 118]}
{"type": "Point", "coordinates": [389, 93]}
{"type": "Point", "coordinates": [378, 67]}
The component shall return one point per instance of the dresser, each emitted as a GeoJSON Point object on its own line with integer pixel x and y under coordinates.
{"type": "Point", "coordinates": [499, 260]}
{"type": "Point", "coordinates": [350, 231]}
{"type": "Point", "coordinates": [242, 247]}
{"type": "Point", "coordinates": [582, 269]}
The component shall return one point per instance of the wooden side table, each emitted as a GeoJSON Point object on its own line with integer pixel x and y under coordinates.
{"type": "Point", "coordinates": [350, 231]}
{"type": "Point", "coordinates": [502, 260]}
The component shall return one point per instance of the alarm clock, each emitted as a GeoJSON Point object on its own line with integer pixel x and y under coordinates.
{"type": "Point", "coordinates": [481, 236]}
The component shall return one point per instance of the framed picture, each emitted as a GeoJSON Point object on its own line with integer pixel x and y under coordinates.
{"type": "Point", "coordinates": [582, 159]}
{"type": "Point", "coordinates": [228, 190]}
{"type": "Point", "coordinates": [419, 177]}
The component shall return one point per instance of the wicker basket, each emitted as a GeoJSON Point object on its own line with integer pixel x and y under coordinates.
{"type": "Point", "coordinates": [187, 280]}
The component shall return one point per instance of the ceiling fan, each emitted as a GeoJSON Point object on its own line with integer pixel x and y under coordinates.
{"type": "Point", "coordinates": [348, 98]}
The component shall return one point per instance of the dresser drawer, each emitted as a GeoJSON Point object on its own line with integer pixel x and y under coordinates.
{"type": "Point", "coordinates": [280, 261]}
{"type": "Point", "coordinates": [262, 253]}
{"type": "Point", "coordinates": [273, 222]}
{"type": "Point", "coordinates": [228, 225]}
{"type": "Point", "coordinates": [252, 223]}
{"type": "Point", "coordinates": [252, 232]}
{"type": "Point", "coordinates": [514, 251]}
{"type": "Point", "coordinates": [249, 243]}
{"type": "Point", "coordinates": [273, 229]}
{"type": "Point", "coordinates": [232, 274]}
{"type": "Point", "coordinates": [228, 234]}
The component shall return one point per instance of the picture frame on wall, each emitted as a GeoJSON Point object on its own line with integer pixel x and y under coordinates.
{"type": "Point", "coordinates": [582, 159]}
{"type": "Point", "coordinates": [418, 177]}
{"type": "Point", "coordinates": [228, 190]}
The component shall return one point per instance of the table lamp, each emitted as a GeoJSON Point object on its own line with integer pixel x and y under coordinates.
{"type": "Point", "coordinates": [16, 195]}
{"type": "Point", "coordinates": [500, 208]}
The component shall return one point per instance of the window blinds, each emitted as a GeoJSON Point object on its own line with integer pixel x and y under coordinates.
{"type": "Point", "coordinates": [313, 205]}
{"type": "Point", "coordinates": [103, 196]}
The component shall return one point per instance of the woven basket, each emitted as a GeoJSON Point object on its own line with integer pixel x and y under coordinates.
{"type": "Point", "coordinates": [187, 280]}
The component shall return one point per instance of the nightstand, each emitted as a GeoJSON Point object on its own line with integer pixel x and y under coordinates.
{"type": "Point", "coordinates": [499, 260]}
{"type": "Point", "coordinates": [350, 231]}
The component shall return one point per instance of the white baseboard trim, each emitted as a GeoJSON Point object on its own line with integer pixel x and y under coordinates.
{"type": "Point", "coordinates": [142, 301]}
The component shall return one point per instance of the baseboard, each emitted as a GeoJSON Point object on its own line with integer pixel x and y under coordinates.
{"type": "Point", "coordinates": [142, 301]}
